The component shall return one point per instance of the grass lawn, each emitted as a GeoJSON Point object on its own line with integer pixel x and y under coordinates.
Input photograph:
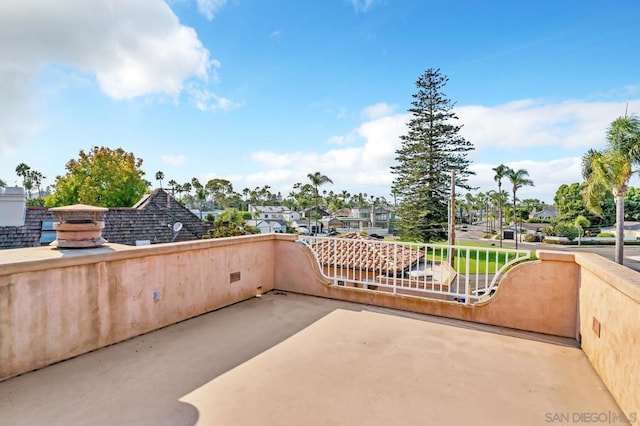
{"type": "Point", "coordinates": [480, 261]}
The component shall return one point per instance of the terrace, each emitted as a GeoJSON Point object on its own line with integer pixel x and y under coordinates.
{"type": "Point", "coordinates": [143, 340]}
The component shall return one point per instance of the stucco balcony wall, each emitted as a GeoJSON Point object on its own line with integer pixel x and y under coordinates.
{"type": "Point", "coordinates": [610, 327]}
{"type": "Point", "coordinates": [56, 304]}
{"type": "Point", "coordinates": [539, 296]}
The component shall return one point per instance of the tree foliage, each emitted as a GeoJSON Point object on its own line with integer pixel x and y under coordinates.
{"type": "Point", "coordinates": [632, 204]}
{"type": "Point", "coordinates": [101, 177]}
{"type": "Point", "coordinates": [317, 179]}
{"type": "Point", "coordinates": [501, 172]}
{"type": "Point", "coordinates": [570, 204]}
{"type": "Point", "coordinates": [610, 170]}
{"type": "Point", "coordinates": [230, 224]}
{"type": "Point", "coordinates": [31, 179]}
{"type": "Point", "coordinates": [430, 150]}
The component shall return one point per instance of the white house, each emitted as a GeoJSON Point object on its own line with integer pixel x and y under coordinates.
{"type": "Point", "coordinates": [547, 212]}
{"type": "Point", "coordinates": [267, 226]}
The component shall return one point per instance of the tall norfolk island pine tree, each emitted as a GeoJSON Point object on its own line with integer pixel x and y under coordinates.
{"type": "Point", "coordinates": [430, 151]}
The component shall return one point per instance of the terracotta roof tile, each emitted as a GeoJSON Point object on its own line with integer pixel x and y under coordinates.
{"type": "Point", "coordinates": [354, 251]}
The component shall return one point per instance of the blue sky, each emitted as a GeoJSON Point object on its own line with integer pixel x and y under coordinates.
{"type": "Point", "coordinates": [264, 92]}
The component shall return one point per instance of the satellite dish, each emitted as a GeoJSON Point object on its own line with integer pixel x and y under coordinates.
{"type": "Point", "coordinates": [177, 227]}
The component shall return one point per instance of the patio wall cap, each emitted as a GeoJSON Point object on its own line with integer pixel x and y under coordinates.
{"type": "Point", "coordinates": [626, 280]}
{"type": "Point", "coordinates": [558, 256]}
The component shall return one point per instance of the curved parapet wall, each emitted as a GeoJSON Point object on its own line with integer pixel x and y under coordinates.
{"type": "Point", "coordinates": [539, 296]}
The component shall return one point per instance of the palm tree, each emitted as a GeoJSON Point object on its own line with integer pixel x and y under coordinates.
{"type": "Point", "coordinates": [3, 184]}
{"type": "Point", "coordinates": [159, 177]}
{"type": "Point", "coordinates": [174, 186]}
{"type": "Point", "coordinates": [36, 180]}
{"type": "Point", "coordinates": [610, 171]}
{"type": "Point", "coordinates": [518, 179]}
{"type": "Point", "coordinates": [317, 179]}
{"type": "Point", "coordinates": [501, 171]}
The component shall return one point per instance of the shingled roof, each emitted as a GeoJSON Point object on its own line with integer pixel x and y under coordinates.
{"type": "Point", "coordinates": [150, 219]}
{"type": "Point", "coordinates": [354, 251]}
{"type": "Point", "coordinates": [27, 235]}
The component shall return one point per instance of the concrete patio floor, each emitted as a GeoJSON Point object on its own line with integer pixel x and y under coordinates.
{"type": "Point", "coordinates": [287, 359]}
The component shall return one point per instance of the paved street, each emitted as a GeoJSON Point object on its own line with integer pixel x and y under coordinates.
{"type": "Point", "coordinates": [631, 253]}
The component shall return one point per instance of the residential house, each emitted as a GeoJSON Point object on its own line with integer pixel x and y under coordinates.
{"type": "Point", "coordinates": [267, 212]}
{"type": "Point", "coordinates": [267, 226]}
{"type": "Point", "coordinates": [376, 217]}
{"type": "Point", "coordinates": [150, 221]}
{"type": "Point", "coordinates": [547, 212]}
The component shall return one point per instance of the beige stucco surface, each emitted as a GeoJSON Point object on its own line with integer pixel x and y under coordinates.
{"type": "Point", "coordinates": [369, 368]}
{"type": "Point", "coordinates": [56, 304]}
{"type": "Point", "coordinates": [610, 294]}
{"type": "Point", "coordinates": [448, 368]}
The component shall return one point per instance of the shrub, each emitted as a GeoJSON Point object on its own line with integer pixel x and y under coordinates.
{"type": "Point", "coordinates": [606, 235]}
{"type": "Point", "coordinates": [530, 238]}
{"type": "Point", "coordinates": [568, 230]}
{"type": "Point", "coordinates": [563, 229]}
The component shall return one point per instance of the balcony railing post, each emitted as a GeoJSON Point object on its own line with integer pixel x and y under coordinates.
{"type": "Point", "coordinates": [467, 285]}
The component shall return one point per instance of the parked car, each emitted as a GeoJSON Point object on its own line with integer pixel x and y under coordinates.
{"type": "Point", "coordinates": [377, 236]}
{"type": "Point", "coordinates": [332, 232]}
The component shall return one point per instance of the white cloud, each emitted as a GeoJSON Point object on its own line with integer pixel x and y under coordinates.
{"type": "Point", "coordinates": [534, 123]}
{"type": "Point", "coordinates": [209, 8]}
{"type": "Point", "coordinates": [547, 176]}
{"type": "Point", "coordinates": [133, 48]}
{"type": "Point", "coordinates": [511, 133]}
{"type": "Point", "coordinates": [174, 160]}
{"type": "Point", "coordinates": [362, 5]}
{"type": "Point", "coordinates": [275, 34]}
{"type": "Point", "coordinates": [206, 100]}
{"type": "Point", "coordinates": [378, 110]}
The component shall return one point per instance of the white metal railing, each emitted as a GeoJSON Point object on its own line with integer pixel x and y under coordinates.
{"type": "Point", "coordinates": [456, 273]}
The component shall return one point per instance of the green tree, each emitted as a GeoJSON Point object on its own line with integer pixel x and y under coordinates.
{"type": "Point", "coordinates": [36, 179]}
{"type": "Point", "coordinates": [430, 151]}
{"type": "Point", "coordinates": [317, 179]}
{"type": "Point", "coordinates": [220, 190]}
{"type": "Point", "coordinates": [518, 179]}
{"type": "Point", "coordinates": [24, 171]}
{"type": "Point", "coordinates": [101, 177]}
{"type": "Point", "coordinates": [501, 172]}
{"type": "Point", "coordinates": [160, 177]}
{"type": "Point", "coordinates": [570, 204]}
{"type": "Point", "coordinates": [529, 204]}
{"type": "Point", "coordinates": [610, 170]}
{"type": "Point", "coordinates": [581, 223]}
{"type": "Point", "coordinates": [632, 204]}
{"type": "Point", "coordinates": [174, 186]}
{"type": "Point", "coordinates": [3, 184]}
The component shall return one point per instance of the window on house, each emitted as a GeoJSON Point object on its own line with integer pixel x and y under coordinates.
{"type": "Point", "coordinates": [47, 233]}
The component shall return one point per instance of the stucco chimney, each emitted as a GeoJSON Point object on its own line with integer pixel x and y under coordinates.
{"type": "Point", "coordinates": [79, 226]}
{"type": "Point", "coordinates": [12, 206]}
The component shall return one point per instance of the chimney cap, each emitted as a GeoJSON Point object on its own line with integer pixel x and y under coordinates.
{"type": "Point", "coordinates": [79, 208]}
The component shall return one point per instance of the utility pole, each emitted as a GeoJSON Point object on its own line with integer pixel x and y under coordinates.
{"type": "Point", "coordinates": [452, 218]}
